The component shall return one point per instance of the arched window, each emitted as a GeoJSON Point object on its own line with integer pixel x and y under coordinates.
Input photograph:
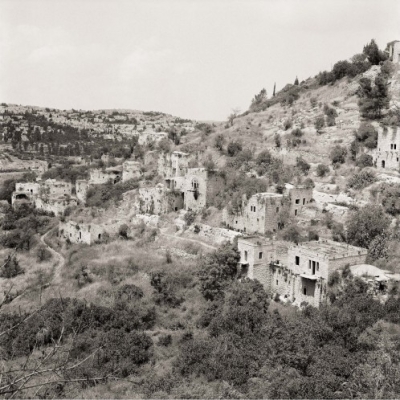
{"type": "Point", "coordinates": [195, 184]}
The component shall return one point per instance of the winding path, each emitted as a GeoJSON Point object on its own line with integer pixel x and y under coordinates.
{"type": "Point", "coordinates": [59, 257]}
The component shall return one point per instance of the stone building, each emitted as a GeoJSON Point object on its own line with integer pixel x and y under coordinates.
{"type": "Point", "coordinates": [55, 188]}
{"type": "Point", "coordinates": [80, 233]}
{"type": "Point", "coordinates": [56, 205]}
{"type": "Point", "coordinates": [25, 192]}
{"type": "Point", "coordinates": [393, 49]}
{"type": "Point", "coordinates": [387, 153]}
{"type": "Point", "coordinates": [260, 214]}
{"type": "Point", "coordinates": [297, 272]}
{"type": "Point", "coordinates": [173, 165]}
{"type": "Point", "coordinates": [153, 200]}
{"type": "Point", "coordinates": [131, 170]}
{"type": "Point", "coordinates": [100, 176]}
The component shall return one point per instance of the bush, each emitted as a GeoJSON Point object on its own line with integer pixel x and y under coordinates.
{"type": "Point", "coordinates": [189, 217]}
{"type": "Point", "coordinates": [219, 142]}
{"type": "Point", "coordinates": [165, 340]}
{"type": "Point", "coordinates": [287, 124]}
{"type": "Point", "coordinates": [43, 254]}
{"type": "Point", "coordinates": [367, 135]}
{"type": "Point", "coordinates": [234, 148]}
{"type": "Point", "coordinates": [390, 196]}
{"type": "Point", "coordinates": [361, 179]}
{"type": "Point", "coordinates": [322, 170]}
{"type": "Point", "coordinates": [297, 132]}
{"type": "Point", "coordinates": [365, 160]}
{"type": "Point", "coordinates": [10, 268]}
{"type": "Point", "coordinates": [338, 155]}
{"type": "Point", "coordinates": [123, 231]}
{"type": "Point", "coordinates": [319, 123]}
{"type": "Point", "coordinates": [303, 165]}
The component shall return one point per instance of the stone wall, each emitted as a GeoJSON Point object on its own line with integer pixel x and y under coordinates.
{"type": "Point", "coordinates": [80, 233]}
{"type": "Point", "coordinates": [217, 235]}
{"type": "Point", "coordinates": [153, 200]}
{"type": "Point", "coordinates": [55, 188]}
{"type": "Point", "coordinates": [55, 205]}
{"type": "Point", "coordinates": [299, 197]}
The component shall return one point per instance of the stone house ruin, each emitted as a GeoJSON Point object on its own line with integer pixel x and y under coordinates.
{"type": "Point", "coordinates": [80, 233]}
{"type": "Point", "coordinates": [56, 205]}
{"type": "Point", "coordinates": [173, 165]}
{"type": "Point", "coordinates": [153, 200]}
{"type": "Point", "coordinates": [100, 176]}
{"type": "Point", "coordinates": [25, 192]}
{"type": "Point", "coordinates": [131, 170]}
{"type": "Point", "coordinates": [387, 154]}
{"type": "Point", "coordinates": [261, 213]}
{"type": "Point", "coordinates": [393, 49]}
{"type": "Point", "coordinates": [81, 189]}
{"type": "Point", "coordinates": [297, 272]}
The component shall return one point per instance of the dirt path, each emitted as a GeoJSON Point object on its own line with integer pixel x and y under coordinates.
{"type": "Point", "coordinates": [60, 260]}
{"type": "Point", "coordinates": [190, 240]}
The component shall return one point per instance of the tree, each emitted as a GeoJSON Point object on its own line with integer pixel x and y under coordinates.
{"type": "Point", "coordinates": [234, 114]}
{"type": "Point", "coordinates": [273, 94]}
{"type": "Point", "coordinates": [219, 142]}
{"type": "Point", "coordinates": [303, 165]}
{"type": "Point", "coordinates": [374, 55]}
{"type": "Point", "coordinates": [373, 99]}
{"type": "Point", "coordinates": [10, 268]}
{"type": "Point", "coordinates": [217, 270]}
{"type": "Point", "coordinates": [296, 81]}
{"type": "Point", "coordinates": [365, 224]}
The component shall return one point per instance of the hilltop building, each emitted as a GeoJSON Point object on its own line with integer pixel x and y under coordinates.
{"type": "Point", "coordinates": [393, 49]}
{"type": "Point", "coordinates": [298, 272]}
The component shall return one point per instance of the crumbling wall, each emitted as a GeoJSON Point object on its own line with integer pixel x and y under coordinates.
{"type": "Point", "coordinates": [387, 154]}
{"type": "Point", "coordinates": [216, 235]}
{"type": "Point", "coordinates": [153, 200]}
{"type": "Point", "coordinates": [131, 170]}
{"type": "Point", "coordinates": [81, 188]}
{"type": "Point", "coordinates": [80, 233]}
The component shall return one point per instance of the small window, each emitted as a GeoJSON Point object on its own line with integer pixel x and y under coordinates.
{"type": "Point", "coordinates": [297, 260]}
{"type": "Point", "coordinates": [277, 209]}
{"type": "Point", "coordinates": [317, 266]}
{"type": "Point", "coordinates": [260, 255]}
{"type": "Point", "coordinates": [391, 147]}
{"type": "Point", "coordinates": [245, 256]}
{"type": "Point", "coordinates": [297, 201]}
{"type": "Point", "coordinates": [304, 201]}
{"type": "Point", "coordinates": [305, 290]}
{"type": "Point", "coordinates": [394, 146]}
{"type": "Point", "coordinates": [309, 264]}
{"type": "Point", "coordinates": [277, 282]}
{"type": "Point", "coordinates": [295, 212]}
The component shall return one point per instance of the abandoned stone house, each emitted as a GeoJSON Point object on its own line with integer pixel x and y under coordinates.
{"type": "Point", "coordinates": [173, 165]}
{"type": "Point", "coordinates": [55, 188]}
{"type": "Point", "coordinates": [81, 189]}
{"type": "Point", "coordinates": [80, 233]}
{"type": "Point", "coordinates": [393, 49]}
{"type": "Point", "coordinates": [153, 200]}
{"type": "Point", "coordinates": [25, 192]}
{"type": "Point", "coordinates": [299, 273]}
{"type": "Point", "coordinates": [387, 154]}
{"type": "Point", "coordinates": [131, 170]}
{"type": "Point", "coordinates": [262, 212]}
{"type": "Point", "coordinates": [100, 176]}
{"type": "Point", "coordinates": [56, 205]}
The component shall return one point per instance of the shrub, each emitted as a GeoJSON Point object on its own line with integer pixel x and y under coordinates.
{"type": "Point", "coordinates": [123, 231]}
{"type": "Point", "coordinates": [367, 135]}
{"type": "Point", "coordinates": [303, 165]}
{"type": "Point", "coordinates": [43, 254]}
{"type": "Point", "coordinates": [338, 155]}
{"type": "Point", "coordinates": [297, 132]}
{"type": "Point", "coordinates": [287, 124]}
{"type": "Point", "coordinates": [313, 102]}
{"type": "Point", "coordinates": [361, 179]}
{"type": "Point", "coordinates": [165, 340]}
{"type": "Point", "coordinates": [334, 278]}
{"type": "Point", "coordinates": [219, 142]}
{"type": "Point", "coordinates": [189, 217]}
{"type": "Point", "coordinates": [234, 148]}
{"type": "Point", "coordinates": [390, 196]}
{"type": "Point", "coordinates": [365, 160]}
{"type": "Point", "coordinates": [322, 170]}
{"type": "Point", "coordinates": [10, 268]}
{"type": "Point", "coordinates": [319, 123]}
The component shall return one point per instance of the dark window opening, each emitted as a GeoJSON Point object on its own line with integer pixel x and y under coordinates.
{"type": "Point", "coordinates": [304, 290]}
{"type": "Point", "coordinates": [245, 256]}
{"type": "Point", "coordinates": [297, 260]}
{"type": "Point", "coordinates": [297, 201]}
{"type": "Point", "coordinates": [260, 255]}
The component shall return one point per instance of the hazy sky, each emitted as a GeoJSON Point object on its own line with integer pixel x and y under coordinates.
{"type": "Point", "coordinates": [195, 59]}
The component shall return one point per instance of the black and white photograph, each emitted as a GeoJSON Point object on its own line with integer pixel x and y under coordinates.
{"type": "Point", "coordinates": [199, 199]}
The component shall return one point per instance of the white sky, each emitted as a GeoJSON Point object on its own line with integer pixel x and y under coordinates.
{"type": "Point", "coordinates": [191, 58]}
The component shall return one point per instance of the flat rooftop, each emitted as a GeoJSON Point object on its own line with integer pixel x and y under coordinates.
{"type": "Point", "coordinates": [267, 195]}
{"type": "Point", "coordinates": [333, 249]}
{"type": "Point", "coordinates": [256, 240]}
